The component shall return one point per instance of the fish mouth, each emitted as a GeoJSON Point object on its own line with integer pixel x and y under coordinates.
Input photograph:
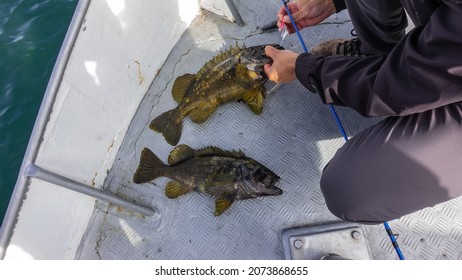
{"type": "Point", "coordinates": [256, 57]}
{"type": "Point", "coordinates": [274, 187]}
{"type": "Point", "coordinates": [277, 191]}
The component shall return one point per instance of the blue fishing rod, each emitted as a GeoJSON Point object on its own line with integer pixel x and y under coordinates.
{"type": "Point", "coordinates": [340, 126]}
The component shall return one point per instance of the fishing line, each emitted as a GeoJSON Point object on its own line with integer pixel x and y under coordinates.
{"type": "Point", "coordinates": [340, 126]}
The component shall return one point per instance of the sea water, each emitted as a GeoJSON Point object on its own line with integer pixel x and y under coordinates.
{"type": "Point", "coordinates": [31, 34]}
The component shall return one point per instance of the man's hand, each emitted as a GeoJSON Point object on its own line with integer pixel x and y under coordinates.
{"type": "Point", "coordinates": [305, 13]}
{"type": "Point", "coordinates": [282, 70]}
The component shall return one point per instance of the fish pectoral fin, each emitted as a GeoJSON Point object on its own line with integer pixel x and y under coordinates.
{"type": "Point", "coordinates": [222, 204]}
{"type": "Point", "coordinates": [254, 99]}
{"type": "Point", "coordinates": [175, 189]}
{"type": "Point", "coordinates": [181, 86]}
{"type": "Point", "coordinates": [200, 115]}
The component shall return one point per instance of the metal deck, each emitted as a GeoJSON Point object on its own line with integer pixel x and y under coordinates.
{"type": "Point", "coordinates": [295, 137]}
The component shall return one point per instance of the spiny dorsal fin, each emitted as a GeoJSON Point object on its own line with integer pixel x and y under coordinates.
{"type": "Point", "coordinates": [181, 153]}
{"type": "Point", "coordinates": [215, 151]}
{"type": "Point", "coordinates": [218, 59]}
{"type": "Point", "coordinates": [181, 86]}
{"type": "Point", "coordinates": [184, 152]}
{"type": "Point", "coordinates": [175, 189]}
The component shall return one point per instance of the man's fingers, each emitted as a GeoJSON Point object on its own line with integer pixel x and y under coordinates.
{"type": "Point", "coordinates": [294, 11]}
{"type": "Point", "coordinates": [296, 16]}
{"type": "Point", "coordinates": [270, 51]}
{"type": "Point", "coordinates": [268, 68]}
{"type": "Point", "coordinates": [281, 13]}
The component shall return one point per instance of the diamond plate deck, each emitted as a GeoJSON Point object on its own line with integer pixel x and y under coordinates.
{"type": "Point", "coordinates": [295, 136]}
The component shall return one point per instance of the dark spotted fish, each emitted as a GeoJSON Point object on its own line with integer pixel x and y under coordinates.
{"type": "Point", "coordinates": [232, 75]}
{"type": "Point", "coordinates": [225, 175]}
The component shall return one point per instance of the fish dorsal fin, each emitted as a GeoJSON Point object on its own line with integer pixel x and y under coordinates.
{"type": "Point", "coordinates": [175, 189]}
{"type": "Point", "coordinates": [200, 115]}
{"type": "Point", "coordinates": [215, 151]}
{"type": "Point", "coordinates": [181, 86]}
{"type": "Point", "coordinates": [217, 60]}
{"type": "Point", "coordinates": [254, 99]}
{"type": "Point", "coordinates": [181, 153]}
{"type": "Point", "coordinates": [184, 152]}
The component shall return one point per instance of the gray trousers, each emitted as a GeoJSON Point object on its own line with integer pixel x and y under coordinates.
{"type": "Point", "coordinates": [404, 163]}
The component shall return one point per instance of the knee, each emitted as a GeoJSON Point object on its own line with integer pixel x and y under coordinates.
{"type": "Point", "coordinates": [335, 202]}
{"type": "Point", "coordinates": [345, 200]}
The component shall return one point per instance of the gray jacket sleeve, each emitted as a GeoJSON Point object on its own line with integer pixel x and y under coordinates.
{"type": "Point", "coordinates": [422, 72]}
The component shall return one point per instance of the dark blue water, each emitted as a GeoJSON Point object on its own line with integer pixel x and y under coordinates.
{"type": "Point", "coordinates": [31, 34]}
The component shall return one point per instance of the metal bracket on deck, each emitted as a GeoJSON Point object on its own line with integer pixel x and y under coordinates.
{"type": "Point", "coordinates": [33, 171]}
{"type": "Point", "coordinates": [343, 240]}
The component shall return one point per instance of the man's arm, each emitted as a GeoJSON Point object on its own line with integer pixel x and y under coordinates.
{"type": "Point", "coordinates": [423, 71]}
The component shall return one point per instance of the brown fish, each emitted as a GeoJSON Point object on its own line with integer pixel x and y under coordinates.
{"type": "Point", "coordinates": [225, 175]}
{"type": "Point", "coordinates": [232, 75]}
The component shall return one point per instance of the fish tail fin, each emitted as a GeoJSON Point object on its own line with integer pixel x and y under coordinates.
{"type": "Point", "coordinates": [149, 169]}
{"type": "Point", "coordinates": [170, 125]}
